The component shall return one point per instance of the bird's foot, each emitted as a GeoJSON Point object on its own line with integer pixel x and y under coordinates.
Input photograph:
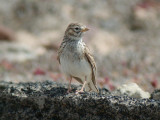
{"type": "Point", "coordinates": [79, 91]}
{"type": "Point", "coordinates": [69, 90]}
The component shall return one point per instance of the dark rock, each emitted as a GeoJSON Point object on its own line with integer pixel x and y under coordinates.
{"type": "Point", "coordinates": [50, 101]}
{"type": "Point", "coordinates": [156, 95]}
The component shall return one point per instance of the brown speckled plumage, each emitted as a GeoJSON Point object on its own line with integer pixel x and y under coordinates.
{"type": "Point", "coordinates": [75, 58]}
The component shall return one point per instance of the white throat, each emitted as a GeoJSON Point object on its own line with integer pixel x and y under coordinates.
{"type": "Point", "coordinates": [76, 38]}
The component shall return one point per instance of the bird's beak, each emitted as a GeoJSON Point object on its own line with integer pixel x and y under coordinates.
{"type": "Point", "coordinates": [84, 29]}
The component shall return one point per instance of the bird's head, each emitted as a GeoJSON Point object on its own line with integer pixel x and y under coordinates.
{"type": "Point", "coordinates": [75, 31]}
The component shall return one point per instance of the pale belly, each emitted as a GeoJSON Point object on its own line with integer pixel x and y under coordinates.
{"type": "Point", "coordinates": [76, 68]}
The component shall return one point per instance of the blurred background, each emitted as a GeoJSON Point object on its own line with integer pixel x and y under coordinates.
{"type": "Point", "coordinates": [124, 38]}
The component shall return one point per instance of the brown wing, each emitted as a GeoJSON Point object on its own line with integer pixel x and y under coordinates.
{"type": "Point", "coordinates": [60, 50]}
{"type": "Point", "coordinates": [90, 59]}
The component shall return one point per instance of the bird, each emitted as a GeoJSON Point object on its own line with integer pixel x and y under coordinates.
{"type": "Point", "coordinates": [76, 60]}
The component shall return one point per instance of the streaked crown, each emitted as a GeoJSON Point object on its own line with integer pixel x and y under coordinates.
{"type": "Point", "coordinates": [75, 30]}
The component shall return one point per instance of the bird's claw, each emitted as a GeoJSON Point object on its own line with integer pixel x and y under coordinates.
{"type": "Point", "coordinates": [79, 91]}
{"type": "Point", "coordinates": [69, 90]}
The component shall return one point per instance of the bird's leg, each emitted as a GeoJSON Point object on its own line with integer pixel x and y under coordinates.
{"type": "Point", "coordinates": [82, 89]}
{"type": "Point", "coordinates": [69, 85]}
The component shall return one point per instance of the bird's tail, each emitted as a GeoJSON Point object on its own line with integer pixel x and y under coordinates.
{"type": "Point", "coordinates": [91, 87]}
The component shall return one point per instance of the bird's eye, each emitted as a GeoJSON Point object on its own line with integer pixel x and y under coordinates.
{"type": "Point", "coordinates": [76, 28]}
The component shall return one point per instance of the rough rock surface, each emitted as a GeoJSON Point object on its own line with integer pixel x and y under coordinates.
{"type": "Point", "coordinates": [49, 101]}
{"type": "Point", "coordinates": [156, 95]}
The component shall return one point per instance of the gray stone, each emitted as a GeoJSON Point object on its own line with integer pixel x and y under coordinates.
{"type": "Point", "coordinates": [50, 101]}
{"type": "Point", "coordinates": [156, 95]}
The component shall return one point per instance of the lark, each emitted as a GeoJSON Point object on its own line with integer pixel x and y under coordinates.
{"type": "Point", "coordinates": [76, 60]}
